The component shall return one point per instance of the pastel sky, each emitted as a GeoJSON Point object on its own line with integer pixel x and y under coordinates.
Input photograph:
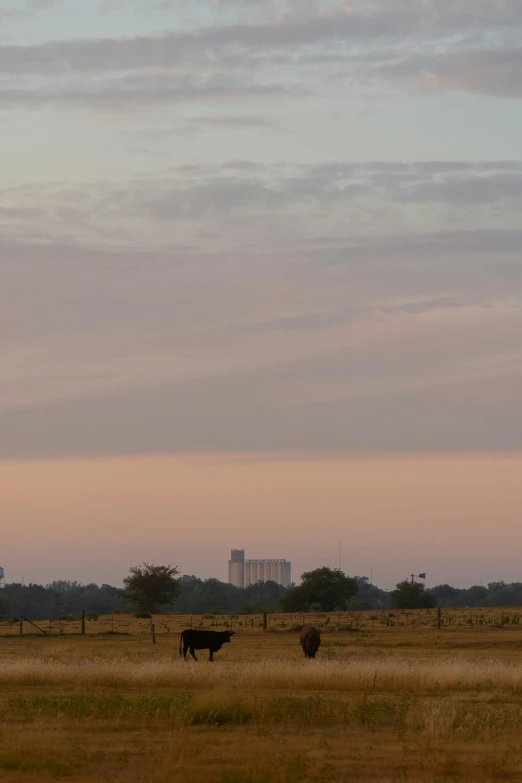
{"type": "Point", "coordinates": [261, 286]}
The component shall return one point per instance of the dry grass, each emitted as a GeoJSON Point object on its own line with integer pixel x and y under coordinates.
{"type": "Point", "coordinates": [384, 704]}
{"type": "Point", "coordinates": [383, 621]}
{"type": "Point", "coordinates": [271, 674]}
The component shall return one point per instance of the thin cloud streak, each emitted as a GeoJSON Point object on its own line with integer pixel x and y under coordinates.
{"type": "Point", "coordinates": [375, 42]}
{"type": "Point", "coordinates": [230, 242]}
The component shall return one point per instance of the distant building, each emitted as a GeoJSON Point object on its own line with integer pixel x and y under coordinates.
{"type": "Point", "coordinates": [236, 568]}
{"type": "Point", "coordinates": [242, 573]}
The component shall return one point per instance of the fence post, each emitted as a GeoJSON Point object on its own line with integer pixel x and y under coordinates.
{"type": "Point", "coordinates": [83, 622]}
{"type": "Point", "coordinates": [153, 629]}
{"type": "Point", "coordinates": [191, 621]}
{"type": "Point", "coordinates": [438, 617]}
{"type": "Point", "coordinates": [21, 625]}
{"type": "Point", "coordinates": [265, 621]}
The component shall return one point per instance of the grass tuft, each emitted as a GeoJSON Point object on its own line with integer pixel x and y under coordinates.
{"type": "Point", "coordinates": [337, 674]}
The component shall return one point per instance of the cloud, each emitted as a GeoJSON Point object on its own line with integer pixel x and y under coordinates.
{"type": "Point", "coordinates": [471, 190]}
{"type": "Point", "coordinates": [469, 46]}
{"type": "Point", "coordinates": [171, 49]}
{"type": "Point", "coordinates": [490, 72]}
{"type": "Point", "coordinates": [410, 342]}
{"type": "Point", "coordinates": [258, 302]}
{"type": "Point", "coordinates": [248, 306]}
{"type": "Point", "coordinates": [138, 92]}
{"type": "Point", "coordinates": [21, 213]}
{"type": "Point", "coordinates": [331, 318]}
{"type": "Point", "coordinates": [341, 210]}
{"type": "Point", "coordinates": [317, 188]}
{"type": "Point", "coordinates": [229, 122]}
{"type": "Point", "coordinates": [230, 415]}
{"type": "Point", "coordinates": [38, 5]}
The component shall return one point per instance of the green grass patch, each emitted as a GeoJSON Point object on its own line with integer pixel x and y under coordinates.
{"type": "Point", "coordinates": [35, 760]}
{"type": "Point", "coordinates": [111, 706]}
{"type": "Point", "coordinates": [300, 712]}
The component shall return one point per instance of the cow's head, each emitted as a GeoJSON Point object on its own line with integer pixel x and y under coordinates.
{"type": "Point", "coordinates": [228, 634]}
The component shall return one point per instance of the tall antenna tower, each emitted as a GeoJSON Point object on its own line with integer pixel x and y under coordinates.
{"type": "Point", "coordinates": [2, 579]}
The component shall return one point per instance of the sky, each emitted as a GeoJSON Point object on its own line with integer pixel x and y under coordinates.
{"type": "Point", "coordinates": [261, 286]}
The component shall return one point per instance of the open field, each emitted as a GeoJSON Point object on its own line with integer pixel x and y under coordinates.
{"type": "Point", "coordinates": [382, 701]}
{"type": "Point", "coordinates": [363, 621]}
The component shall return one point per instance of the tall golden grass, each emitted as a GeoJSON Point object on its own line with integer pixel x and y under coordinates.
{"type": "Point", "coordinates": [119, 709]}
{"type": "Point", "coordinates": [348, 675]}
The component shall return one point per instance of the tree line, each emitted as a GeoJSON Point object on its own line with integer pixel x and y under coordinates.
{"type": "Point", "coordinates": [150, 588]}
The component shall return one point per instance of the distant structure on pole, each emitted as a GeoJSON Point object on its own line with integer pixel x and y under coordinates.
{"type": "Point", "coordinates": [242, 573]}
{"type": "Point", "coordinates": [2, 579]}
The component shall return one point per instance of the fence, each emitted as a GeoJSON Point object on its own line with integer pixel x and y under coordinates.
{"type": "Point", "coordinates": [90, 623]}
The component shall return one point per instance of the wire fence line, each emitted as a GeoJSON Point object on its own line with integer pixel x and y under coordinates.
{"type": "Point", "coordinates": [88, 622]}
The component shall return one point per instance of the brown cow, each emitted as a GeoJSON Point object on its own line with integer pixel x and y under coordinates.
{"type": "Point", "coordinates": [310, 640]}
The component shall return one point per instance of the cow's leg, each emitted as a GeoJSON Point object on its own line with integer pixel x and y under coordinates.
{"type": "Point", "coordinates": [185, 648]}
{"type": "Point", "coordinates": [193, 653]}
{"type": "Point", "coordinates": [211, 656]}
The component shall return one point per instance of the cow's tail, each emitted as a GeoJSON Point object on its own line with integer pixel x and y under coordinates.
{"type": "Point", "coordinates": [180, 642]}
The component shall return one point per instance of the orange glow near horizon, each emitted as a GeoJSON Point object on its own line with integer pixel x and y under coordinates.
{"type": "Point", "coordinates": [456, 516]}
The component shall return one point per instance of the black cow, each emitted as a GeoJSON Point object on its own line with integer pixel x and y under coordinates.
{"type": "Point", "coordinates": [203, 640]}
{"type": "Point", "coordinates": [310, 640]}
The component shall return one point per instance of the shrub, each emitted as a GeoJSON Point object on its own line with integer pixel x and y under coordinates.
{"type": "Point", "coordinates": [252, 609]}
{"type": "Point", "coordinates": [92, 616]}
{"type": "Point", "coordinates": [143, 615]}
{"type": "Point", "coordinates": [66, 618]}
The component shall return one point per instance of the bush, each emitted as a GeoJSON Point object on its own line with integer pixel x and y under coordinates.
{"type": "Point", "coordinates": [121, 610]}
{"type": "Point", "coordinates": [93, 616]}
{"type": "Point", "coordinates": [66, 618]}
{"type": "Point", "coordinates": [143, 615]}
{"type": "Point", "coordinates": [253, 609]}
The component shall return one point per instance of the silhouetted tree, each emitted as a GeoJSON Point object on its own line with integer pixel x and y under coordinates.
{"type": "Point", "coordinates": [63, 586]}
{"type": "Point", "coordinates": [325, 588]}
{"type": "Point", "coordinates": [474, 596]}
{"type": "Point", "coordinates": [408, 595]}
{"type": "Point", "coordinates": [150, 586]}
{"type": "Point", "coordinates": [369, 596]}
{"type": "Point", "coordinates": [444, 595]}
